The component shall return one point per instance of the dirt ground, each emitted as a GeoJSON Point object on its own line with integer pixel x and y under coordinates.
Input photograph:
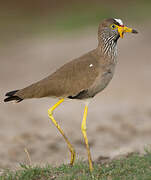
{"type": "Point", "coordinates": [119, 118]}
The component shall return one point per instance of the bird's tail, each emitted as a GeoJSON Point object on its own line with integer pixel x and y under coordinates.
{"type": "Point", "coordinates": [12, 97]}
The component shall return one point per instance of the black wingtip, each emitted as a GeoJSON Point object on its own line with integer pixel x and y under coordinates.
{"type": "Point", "coordinates": [12, 97]}
{"type": "Point", "coordinates": [11, 93]}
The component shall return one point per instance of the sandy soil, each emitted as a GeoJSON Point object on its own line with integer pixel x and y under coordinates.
{"type": "Point", "coordinates": [119, 118]}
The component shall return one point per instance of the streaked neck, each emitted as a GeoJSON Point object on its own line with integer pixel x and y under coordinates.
{"type": "Point", "coordinates": [108, 45]}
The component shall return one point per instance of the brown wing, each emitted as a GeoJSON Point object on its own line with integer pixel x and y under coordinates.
{"type": "Point", "coordinates": [69, 80]}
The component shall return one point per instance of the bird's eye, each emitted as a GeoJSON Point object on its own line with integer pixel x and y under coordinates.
{"type": "Point", "coordinates": [113, 26]}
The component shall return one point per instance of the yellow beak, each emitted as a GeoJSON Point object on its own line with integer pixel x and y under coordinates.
{"type": "Point", "coordinates": [123, 29]}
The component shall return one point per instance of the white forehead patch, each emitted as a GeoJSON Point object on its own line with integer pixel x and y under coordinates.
{"type": "Point", "coordinates": [119, 21]}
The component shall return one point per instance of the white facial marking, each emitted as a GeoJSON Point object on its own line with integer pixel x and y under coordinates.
{"type": "Point", "coordinates": [90, 65]}
{"type": "Point", "coordinates": [119, 21]}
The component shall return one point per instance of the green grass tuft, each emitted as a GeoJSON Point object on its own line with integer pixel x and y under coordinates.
{"type": "Point", "coordinates": [135, 166]}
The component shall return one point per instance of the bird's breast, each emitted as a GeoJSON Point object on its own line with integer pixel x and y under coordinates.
{"type": "Point", "coordinates": [102, 80]}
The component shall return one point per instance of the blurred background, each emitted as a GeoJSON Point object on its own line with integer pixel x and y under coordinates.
{"type": "Point", "coordinates": [37, 37]}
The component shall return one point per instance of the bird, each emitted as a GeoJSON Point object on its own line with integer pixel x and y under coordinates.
{"type": "Point", "coordinates": [81, 78]}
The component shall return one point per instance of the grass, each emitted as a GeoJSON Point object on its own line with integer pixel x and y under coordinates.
{"type": "Point", "coordinates": [134, 166]}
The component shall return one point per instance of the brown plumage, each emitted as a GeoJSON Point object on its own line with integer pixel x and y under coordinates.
{"type": "Point", "coordinates": [71, 79]}
{"type": "Point", "coordinates": [81, 78]}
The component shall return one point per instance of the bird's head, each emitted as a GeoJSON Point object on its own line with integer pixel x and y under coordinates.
{"type": "Point", "coordinates": [113, 28]}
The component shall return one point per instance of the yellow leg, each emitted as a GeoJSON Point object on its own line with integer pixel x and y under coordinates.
{"type": "Point", "coordinates": [50, 114]}
{"type": "Point", "coordinates": [83, 128]}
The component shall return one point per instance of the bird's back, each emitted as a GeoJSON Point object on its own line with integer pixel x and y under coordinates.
{"type": "Point", "coordinates": [69, 80]}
